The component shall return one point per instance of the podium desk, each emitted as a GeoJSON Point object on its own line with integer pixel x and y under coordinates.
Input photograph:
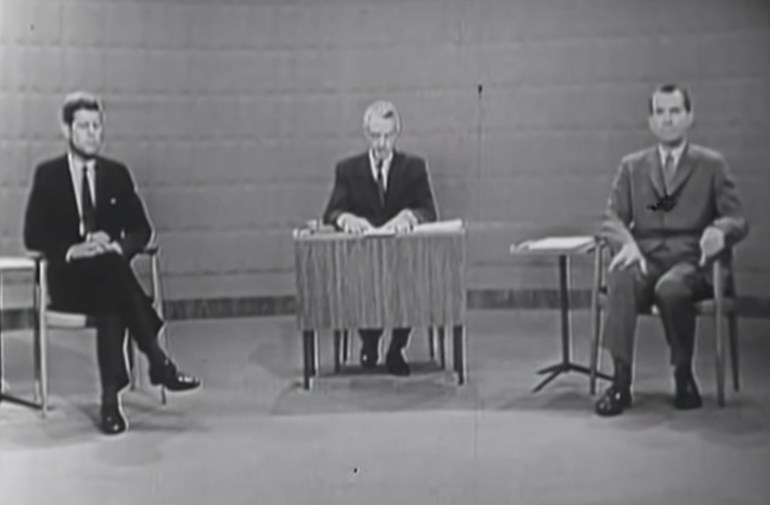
{"type": "Point", "coordinates": [347, 282]}
{"type": "Point", "coordinates": [562, 248]}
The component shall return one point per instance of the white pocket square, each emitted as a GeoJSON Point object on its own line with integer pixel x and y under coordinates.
{"type": "Point", "coordinates": [113, 201]}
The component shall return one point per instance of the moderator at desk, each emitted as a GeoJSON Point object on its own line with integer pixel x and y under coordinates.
{"type": "Point", "coordinates": [346, 282]}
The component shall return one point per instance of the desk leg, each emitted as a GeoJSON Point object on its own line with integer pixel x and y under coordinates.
{"type": "Point", "coordinates": [308, 357]}
{"type": "Point", "coordinates": [566, 365]}
{"type": "Point", "coordinates": [459, 353]}
{"type": "Point", "coordinates": [345, 347]}
{"type": "Point", "coordinates": [441, 347]}
{"type": "Point", "coordinates": [337, 339]}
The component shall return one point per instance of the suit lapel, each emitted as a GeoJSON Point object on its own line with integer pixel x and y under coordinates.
{"type": "Point", "coordinates": [366, 180]}
{"type": "Point", "coordinates": [99, 184]}
{"type": "Point", "coordinates": [656, 172]}
{"type": "Point", "coordinates": [683, 171]}
{"type": "Point", "coordinates": [65, 181]}
{"type": "Point", "coordinates": [394, 178]}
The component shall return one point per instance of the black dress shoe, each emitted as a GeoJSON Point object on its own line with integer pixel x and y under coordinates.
{"type": "Point", "coordinates": [369, 357]}
{"type": "Point", "coordinates": [686, 396]}
{"type": "Point", "coordinates": [168, 376]}
{"type": "Point", "coordinates": [396, 364]}
{"type": "Point", "coordinates": [112, 420]}
{"type": "Point", "coordinates": [614, 401]}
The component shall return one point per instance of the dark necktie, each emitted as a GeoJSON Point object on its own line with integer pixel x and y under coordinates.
{"type": "Point", "coordinates": [668, 171]}
{"type": "Point", "coordinates": [380, 182]}
{"type": "Point", "coordinates": [89, 212]}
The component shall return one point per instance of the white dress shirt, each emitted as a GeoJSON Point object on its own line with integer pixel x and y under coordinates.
{"type": "Point", "coordinates": [385, 168]}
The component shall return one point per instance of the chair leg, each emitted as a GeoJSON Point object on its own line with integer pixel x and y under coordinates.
{"type": "Point", "coordinates": [131, 356]}
{"type": "Point", "coordinates": [41, 338]}
{"type": "Point", "coordinates": [732, 333]}
{"type": "Point", "coordinates": [595, 349]}
{"type": "Point", "coordinates": [720, 362]}
{"type": "Point", "coordinates": [37, 394]}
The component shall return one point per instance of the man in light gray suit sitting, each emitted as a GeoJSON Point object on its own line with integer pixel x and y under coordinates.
{"type": "Point", "coordinates": [673, 207]}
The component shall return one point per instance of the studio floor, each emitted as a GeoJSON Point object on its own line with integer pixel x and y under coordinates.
{"type": "Point", "coordinates": [253, 435]}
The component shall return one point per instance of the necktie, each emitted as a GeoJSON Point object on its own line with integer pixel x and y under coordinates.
{"type": "Point", "coordinates": [668, 171]}
{"type": "Point", "coordinates": [380, 182]}
{"type": "Point", "coordinates": [89, 212]}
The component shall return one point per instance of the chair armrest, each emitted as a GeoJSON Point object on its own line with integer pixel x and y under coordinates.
{"type": "Point", "coordinates": [35, 255]}
{"type": "Point", "coordinates": [150, 249]}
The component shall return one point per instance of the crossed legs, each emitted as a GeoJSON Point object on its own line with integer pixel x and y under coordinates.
{"type": "Point", "coordinates": [105, 287]}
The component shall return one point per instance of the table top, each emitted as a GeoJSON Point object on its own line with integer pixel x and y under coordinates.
{"type": "Point", "coordinates": [452, 228]}
{"type": "Point", "coordinates": [11, 263]}
{"type": "Point", "coordinates": [555, 246]}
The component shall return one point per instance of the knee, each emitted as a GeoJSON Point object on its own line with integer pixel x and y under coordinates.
{"type": "Point", "coordinates": [671, 291]}
{"type": "Point", "coordinates": [623, 279]}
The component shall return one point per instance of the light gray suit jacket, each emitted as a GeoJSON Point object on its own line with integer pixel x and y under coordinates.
{"type": "Point", "coordinates": [704, 192]}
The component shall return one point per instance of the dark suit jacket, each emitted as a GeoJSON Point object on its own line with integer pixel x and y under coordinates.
{"type": "Point", "coordinates": [52, 223]}
{"type": "Point", "coordinates": [705, 196]}
{"type": "Point", "coordinates": [355, 190]}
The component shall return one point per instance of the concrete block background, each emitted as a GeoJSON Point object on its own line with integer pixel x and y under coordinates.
{"type": "Point", "coordinates": [232, 114]}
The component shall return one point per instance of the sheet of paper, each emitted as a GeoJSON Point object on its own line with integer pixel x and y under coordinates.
{"type": "Point", "coordinates": [450, 225]}
{"type": "Point", "coordinates": [557, 243]}
{"type": "Point", "coordinates": [379, 232]}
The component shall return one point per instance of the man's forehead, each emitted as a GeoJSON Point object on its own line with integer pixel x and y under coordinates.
{"type": "Point", "coordinates": [87, 115]}
{"type": "Point", "coordinates": [670, 99]}
{"type": "Point", "coordinates": [379, 124]}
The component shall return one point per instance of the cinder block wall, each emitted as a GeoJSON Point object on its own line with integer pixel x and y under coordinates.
{"type": "Point", "coordinates": [232, 113]}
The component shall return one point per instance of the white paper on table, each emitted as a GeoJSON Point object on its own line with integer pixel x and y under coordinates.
{"type": "Point", "coordinates": [379, 232]}
{"type": "Point", "coordinates": [555, 244]}
{"type": "Point", "coordinates": [450, 225]}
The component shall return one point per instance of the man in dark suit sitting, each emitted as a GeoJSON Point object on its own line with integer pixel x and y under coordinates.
{"type": "Point", "coordinates": [672, 209]}
{"type": "Point", "coordinates": [85, 216]}
{"type": "Point", "coordinates": [386, 189]}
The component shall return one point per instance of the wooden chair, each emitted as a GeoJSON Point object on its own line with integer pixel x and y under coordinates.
{"type": "Point", "coordinates": [722, 305]}
{"type": "Point", "coordinates": [45, 319]}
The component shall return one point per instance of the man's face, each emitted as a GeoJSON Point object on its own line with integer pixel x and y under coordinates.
{"type": "Point", "coordinates": [381, 134]}
{"type": "Point", "coordinates": [85, 133]}
{"type": "Point", "coordinates": [669, 120]}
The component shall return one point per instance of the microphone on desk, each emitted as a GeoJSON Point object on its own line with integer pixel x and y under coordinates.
{"type": "Point", "coordinates": [317, 226]}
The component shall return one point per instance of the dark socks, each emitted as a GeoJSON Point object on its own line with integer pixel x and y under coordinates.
{"type": "Point", "coordinates": [622, 374]}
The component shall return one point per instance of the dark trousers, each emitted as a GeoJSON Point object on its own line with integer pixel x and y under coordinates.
{"type": "Point", "coordinates": [106, 288]}
{"type": "Point", "coordinates": [370, 338]}
{"type": "Point", "coordinates": [674, 287]}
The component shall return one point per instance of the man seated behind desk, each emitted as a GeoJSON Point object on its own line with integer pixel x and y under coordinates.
{"type": "Point", "coordinates": [672, 209]}
{"type": "Point", "coordinates": [386, 189]}
{"type": "Point", "coordinates": [85, 216]}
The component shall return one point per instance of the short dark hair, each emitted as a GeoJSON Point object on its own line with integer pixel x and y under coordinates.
{"type": "Point", "coordinates": [77, 101]}
{"type": "Point", "coordinates": [672, 88]}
